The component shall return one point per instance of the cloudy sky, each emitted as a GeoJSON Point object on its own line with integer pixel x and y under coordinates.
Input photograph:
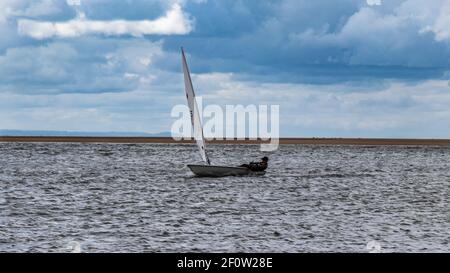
{"type": "Point", "coordinates": [345, 68]}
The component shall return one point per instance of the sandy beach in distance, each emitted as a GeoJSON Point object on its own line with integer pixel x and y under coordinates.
{"type": "Point", "coordinates": [305, 141]}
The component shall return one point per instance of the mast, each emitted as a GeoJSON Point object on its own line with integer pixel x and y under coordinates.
{"type": "Point", "coordinates": [194, 112]}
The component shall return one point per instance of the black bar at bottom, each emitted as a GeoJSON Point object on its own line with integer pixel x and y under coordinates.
{"type": "Point", "coordinates": [218, 262]}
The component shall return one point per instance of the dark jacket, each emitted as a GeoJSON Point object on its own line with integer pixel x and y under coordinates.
{"type": "Point", "coordinates": [257, 166]}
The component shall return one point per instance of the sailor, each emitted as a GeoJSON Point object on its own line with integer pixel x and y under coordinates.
{"type": "Point", "coordinates": [257, 166]}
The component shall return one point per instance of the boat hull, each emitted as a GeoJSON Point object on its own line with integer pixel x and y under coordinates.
{"type": "Point", "coordinates": [221, 171]}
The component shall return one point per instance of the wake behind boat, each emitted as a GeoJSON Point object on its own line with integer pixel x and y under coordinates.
{"type": "Point", "coordinates": [209, 170]}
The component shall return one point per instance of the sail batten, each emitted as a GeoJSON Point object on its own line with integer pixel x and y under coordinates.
{"type": "Point", "coordinates": [194, 111]}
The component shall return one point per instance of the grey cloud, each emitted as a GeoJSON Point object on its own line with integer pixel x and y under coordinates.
{"type": "Point", "coordinates": [318, 42]}
{"type": "Point", "coordinates": [84, 66]}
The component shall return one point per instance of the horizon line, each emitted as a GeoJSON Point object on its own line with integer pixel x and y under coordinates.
{"type": "Point", "coordinates": [283, 140]}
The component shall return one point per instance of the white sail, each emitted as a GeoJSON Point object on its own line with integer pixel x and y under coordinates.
{"type": "Point", "coordinates": [193, 108]}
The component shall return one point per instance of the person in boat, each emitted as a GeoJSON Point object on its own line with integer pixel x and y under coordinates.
{"type": "Point", "coordinates": [257, 166]}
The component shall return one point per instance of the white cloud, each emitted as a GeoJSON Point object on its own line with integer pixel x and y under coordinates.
{"type": "Point", "coordinates": [395, 110]}
{"type": "Point", "coordinates": [85, 65]}
{"type": "Point", "coordinates": [398, 33]}
{"type": "Point", "coordinates": [373, 2]}
{"type": "Point", "coordinates": [42, 7]}
{"type": "Point", "coordinates": [174, 22]}
{"type": "Point", "coordinates": [441, 26]}
{"type": "Point", "coordinates": [14, 8]}
{"type": "Point", "coordinates": [73, 2]}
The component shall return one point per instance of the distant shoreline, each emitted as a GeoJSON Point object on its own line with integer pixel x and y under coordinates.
{"type": "Point", "coordinates": [166, 140]}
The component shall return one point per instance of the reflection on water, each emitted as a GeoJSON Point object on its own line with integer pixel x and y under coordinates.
{"type": "Point", "coordinates": [142, 198]}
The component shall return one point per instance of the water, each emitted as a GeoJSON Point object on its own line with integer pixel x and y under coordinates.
{"type": "Point", "coordinates": [142, 198]}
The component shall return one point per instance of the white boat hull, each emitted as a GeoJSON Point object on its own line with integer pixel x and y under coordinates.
{"type": "Point", "coordinates": [220, 171]}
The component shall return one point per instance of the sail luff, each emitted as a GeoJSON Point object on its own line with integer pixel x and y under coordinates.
{"type": "Point", "coordinates": [194, 112]}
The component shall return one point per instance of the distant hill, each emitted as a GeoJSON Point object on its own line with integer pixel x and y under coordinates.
{"type": "Point", "coordinates": [4, 132]}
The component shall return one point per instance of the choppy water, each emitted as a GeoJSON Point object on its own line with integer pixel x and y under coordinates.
{"type": "Point", "coordinates": [142, 198]}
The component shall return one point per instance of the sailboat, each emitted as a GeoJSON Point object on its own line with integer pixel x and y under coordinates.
{"type": "Point", "coordinates": [206, 170]}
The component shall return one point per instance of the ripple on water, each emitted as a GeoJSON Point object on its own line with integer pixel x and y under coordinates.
{"type": "Point", "coordinates": [141, 197]}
